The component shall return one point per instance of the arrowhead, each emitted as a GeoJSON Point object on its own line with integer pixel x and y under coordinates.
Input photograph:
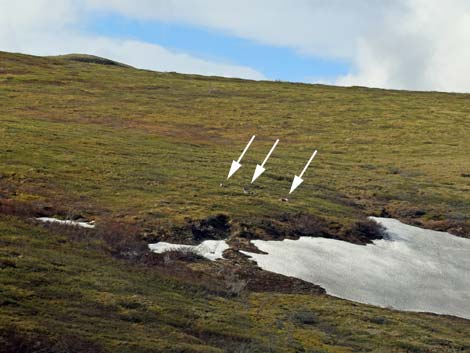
{"type": "Point", "coordinates": [258, 171]}
{"type": "Point", "coordinates": [295, 183]}
{"type": "Point", "coordinates": [235, 166]}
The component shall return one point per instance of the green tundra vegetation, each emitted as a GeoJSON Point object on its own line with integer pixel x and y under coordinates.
{"type": "Point", "coordinates": [59, 295]}
{"type": "Point", "coordinates": [148, 152]}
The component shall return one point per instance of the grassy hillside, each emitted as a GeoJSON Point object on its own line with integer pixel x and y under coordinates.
{"type": "Point", "coordinates": [145, 146]}
{"type": "Point", "coordinates": [145, 153]}
{"type": "Point", "coordinates": [64, 295]}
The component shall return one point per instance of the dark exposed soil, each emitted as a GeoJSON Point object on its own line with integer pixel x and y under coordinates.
{"type": "Point", "coordinates": [414, 216]}
{"type": "Point", "coordinates": [236, 272]}
{"type": "Point", "coordinates": [233, 275]}
{"type": "Point", "coordinates": [259, 280]}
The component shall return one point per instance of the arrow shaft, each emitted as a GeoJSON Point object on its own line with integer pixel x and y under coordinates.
{"type": "Point", "coordinates": [246, 148]}
{"type": "Point", "coordinates": [308, 163]}
{"type": "Point", "coordinates": [269, 153]}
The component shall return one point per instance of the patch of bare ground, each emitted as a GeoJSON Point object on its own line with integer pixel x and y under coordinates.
{"type": "Point", "coordinates": [232, 276]}
{"type": "Point", "coordinates": [458, 225]}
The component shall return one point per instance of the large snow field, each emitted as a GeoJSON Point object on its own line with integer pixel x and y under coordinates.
{"type": "Point", "coordinates": [413, 269]}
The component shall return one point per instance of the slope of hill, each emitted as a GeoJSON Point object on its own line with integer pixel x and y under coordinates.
{"type": "Point", "coordinates": [147, 146]}
{"type": "Point", "coordinates": [144, 154]}
{"type": "Point", "coordinates": [91, 59]}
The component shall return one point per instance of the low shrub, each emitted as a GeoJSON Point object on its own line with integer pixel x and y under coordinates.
{"type": "Point", "coordinates": [12, 340]}
{"type": "Point", "coordinates": [294, 225]}
{"type": "Point", "coordinates": [121, 240]}
{"type": "Point", "coordinates": [366, 231]}
{"type": "Point", "coordinates": [304, 317]}
{"type": "Point", "coordinates": [213, 227]}
{"type": "Point", "coordinates": [183, 254]}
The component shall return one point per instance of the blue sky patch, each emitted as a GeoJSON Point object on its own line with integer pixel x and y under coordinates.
{"type": "Point", "coordinates": [275, 63]}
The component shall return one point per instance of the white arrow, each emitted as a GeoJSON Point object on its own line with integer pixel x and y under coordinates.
{"type": "Point", "coordinates": [260, 168]}
{"type": "Point", "coordinates": [236, 164]}
{"type": "Point", "coordinates": [298, 179]}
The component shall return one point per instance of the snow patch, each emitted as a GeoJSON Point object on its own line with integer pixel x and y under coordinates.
{"type": "Point", "coordinates": [412, 269]}
{"type": "Point", "coordinates": [210, 249]}
{"type": "Point", "coordinates": [67, 222]}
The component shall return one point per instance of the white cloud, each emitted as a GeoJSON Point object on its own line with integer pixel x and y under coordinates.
{"type": "Point", "coordinates": [314, 27]}
{"type": "Point", "coordinates": [21, 15]}
{"type": "Point", "coordinates": [51, 27]}
{"type": "Point", "coordinates": [404, 44]}
{"type": "Point", "coordinates": [424, 49]}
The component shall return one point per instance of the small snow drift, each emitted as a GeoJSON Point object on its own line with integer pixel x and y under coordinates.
{"type": "Point", "coordinates": [210, 249]}
{"type": "Point", "coordinates": [67, 222]}
{"type": "Point", "coordinates": [413, 269]}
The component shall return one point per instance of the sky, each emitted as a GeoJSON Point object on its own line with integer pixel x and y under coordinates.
{"type": "Point", "coordinates": [398, 44]}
